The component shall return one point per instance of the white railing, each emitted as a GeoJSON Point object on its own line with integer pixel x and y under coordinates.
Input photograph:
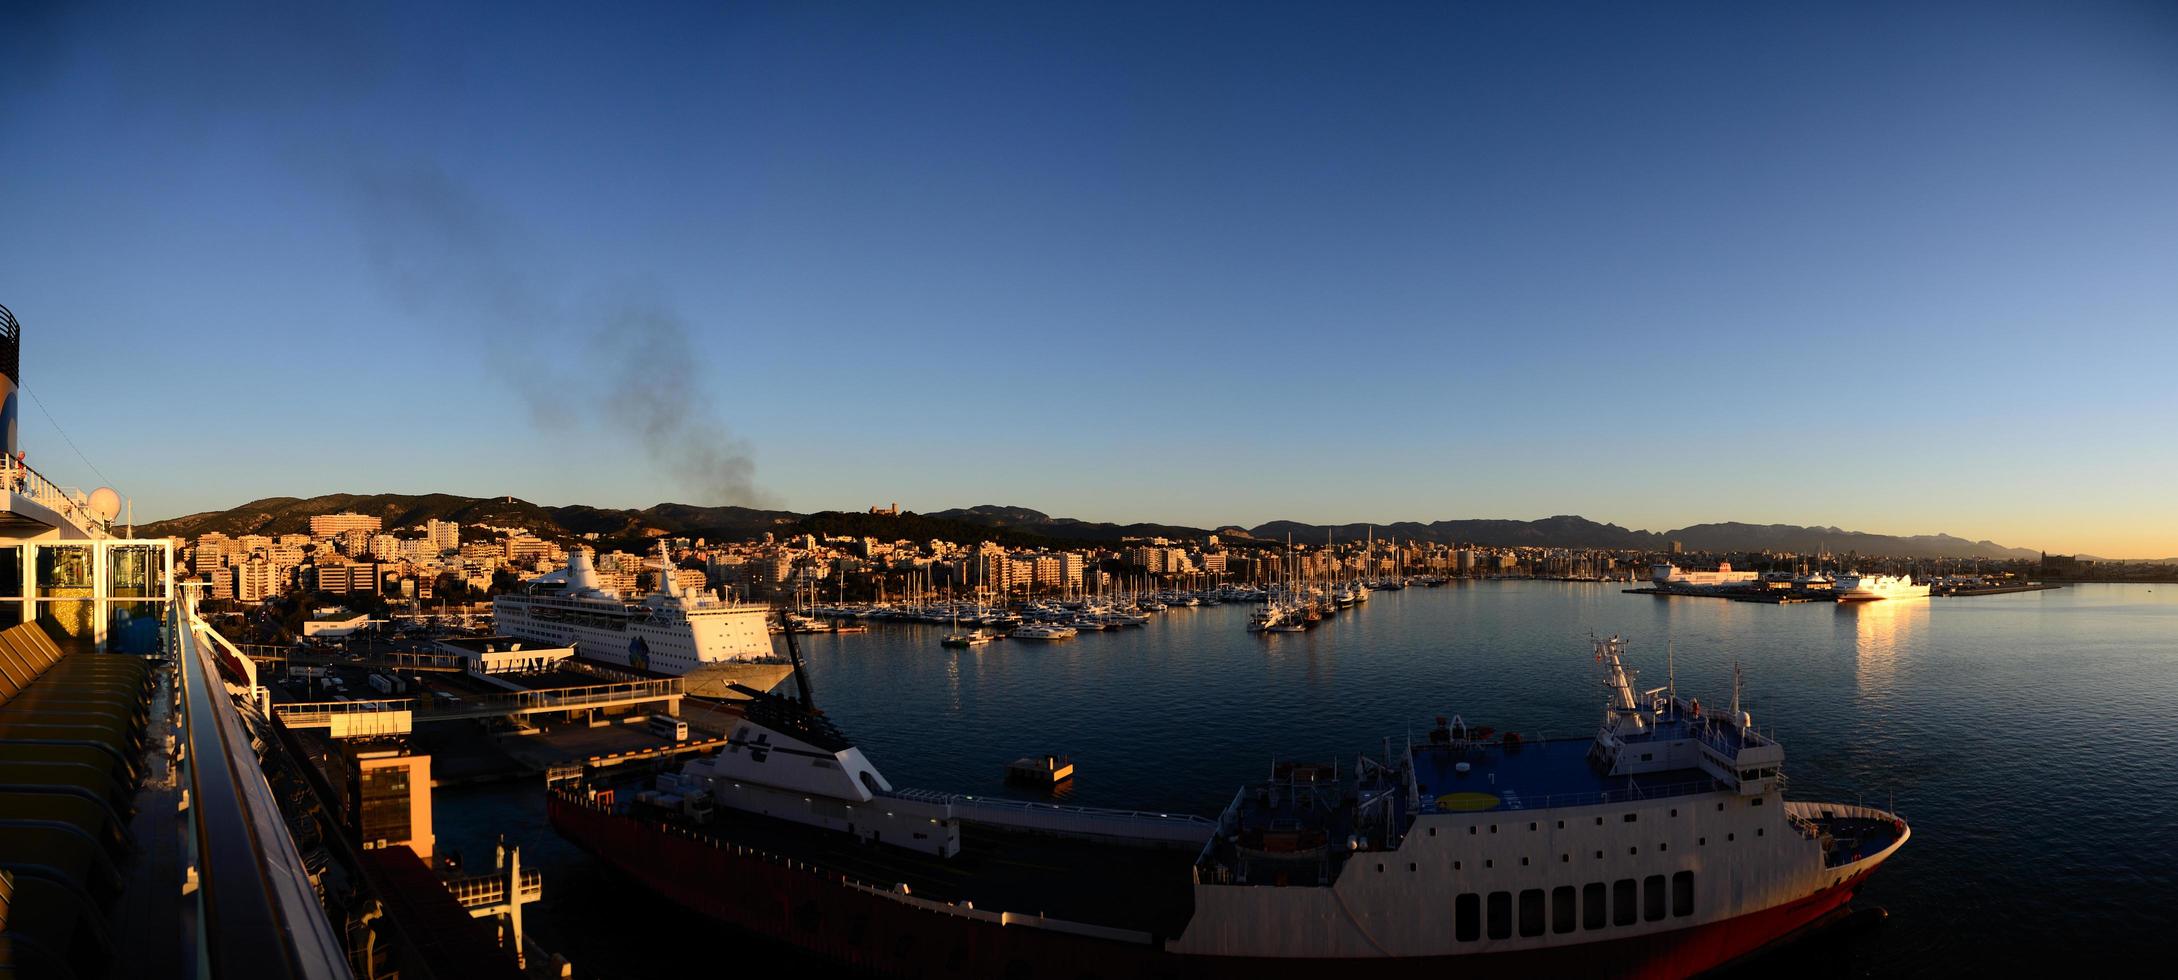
{"type": "Point", "coordinates": [17, 477]}
{"type": "Point", "coordinates": [1514, 801]}
{"type": "Point", "coordinates": [251, 899]}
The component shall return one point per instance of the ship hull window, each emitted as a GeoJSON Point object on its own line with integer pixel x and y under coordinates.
{"type": "Point", "coordinates": [1467, 917]}
{"type": "Point", "coordinates": [1682, 893]}
{"type": "Point", "coordinates": [1652, 898]}
{"type": "Point", "coordinates": [1531, 912]}
{"type": "Point", "coordinates": [1592, 910]}
{"type": "Point", "coordinates": [1623, 898]}
{"type": "Point", "coordinates": [1562, 912]}
{"type": "Point", "coordinates": [1501, 915]}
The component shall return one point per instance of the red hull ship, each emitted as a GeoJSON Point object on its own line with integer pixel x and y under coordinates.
{"type": "Point", "coordinates": [1470, 850]}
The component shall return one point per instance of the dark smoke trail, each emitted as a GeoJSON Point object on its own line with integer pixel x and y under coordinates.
{"type": "Point", "coordinates": [437, 245]}
{"type": "Point", "coordinates": [649, 367]}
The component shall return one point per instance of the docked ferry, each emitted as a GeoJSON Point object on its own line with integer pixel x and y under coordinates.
{"type": "Point", "coordinates": [672, 631]}
{"type": "Point", "coordinates": [1662, 846]}
{"type": "Point", "coordinates": [1866, 588]}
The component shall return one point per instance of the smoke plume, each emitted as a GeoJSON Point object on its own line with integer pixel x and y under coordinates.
{"type": "Point", "coordinates": [437, 246]}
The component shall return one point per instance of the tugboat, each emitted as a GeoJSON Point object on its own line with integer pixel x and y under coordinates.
{"type": "Point", "coordinates": [1040, 770]}
{"type": "Point", "coordinates": [1662, 846]}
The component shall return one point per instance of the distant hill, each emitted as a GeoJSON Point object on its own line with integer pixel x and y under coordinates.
{"type": "Point", "coordinates": [291, 515]}
{"type": "Point", "coordinates": [1580, 532]}
{"type": "Point", "coordinates": [1037, 522]}
{"type": "Point", "coordinates": [1021, 525]}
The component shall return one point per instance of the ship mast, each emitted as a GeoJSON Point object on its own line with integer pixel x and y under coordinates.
{"type": "Point", "coordinates": [794, 656]}
{"type": "Point", "coordinates": [1671, 671]}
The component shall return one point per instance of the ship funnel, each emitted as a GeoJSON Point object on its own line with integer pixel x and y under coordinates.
{"type": "Point", "coordinates": [11, 367]}
{"type": "Point", "coordinates": [581, 574]}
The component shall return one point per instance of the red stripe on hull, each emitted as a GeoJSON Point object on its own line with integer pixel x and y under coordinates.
{"type": "Point", "coordinates": [817, 911]}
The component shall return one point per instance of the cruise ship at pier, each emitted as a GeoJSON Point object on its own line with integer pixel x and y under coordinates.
{"type": "Point", "coordinates": [673, 631]}
{"type": "Point", "coordinates": [1662, 846]}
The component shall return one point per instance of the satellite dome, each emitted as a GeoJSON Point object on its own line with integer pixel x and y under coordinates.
{"type": "Point", "coordinates": [105, 504]}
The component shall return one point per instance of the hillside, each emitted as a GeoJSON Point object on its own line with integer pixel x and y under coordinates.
{"type": "Point", "coordinates": [1021, 525]}
{"type": "Point", "coordinates": [291, 515]}
{"type": "Point", "coordinates": [1037, 522]}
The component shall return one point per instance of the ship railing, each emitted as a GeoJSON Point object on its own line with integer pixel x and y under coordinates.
{"type": "Point", "coordinates": [17, 477]}
{"type": "Point", "coordinates": [249, 892]}
{"type": "Point", "coordinates": [1513, 800]}
{"type": "Point", "coordinates": [1727, 740]}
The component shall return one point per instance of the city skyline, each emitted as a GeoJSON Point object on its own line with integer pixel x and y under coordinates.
{"type": "Point", "coordinates": [341, 506]}
{"type": "Point", "coordinates": [1910, 273]}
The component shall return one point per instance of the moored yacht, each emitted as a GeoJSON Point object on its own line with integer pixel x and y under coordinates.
{"type": "Point", "coordinates": [1855, 587]}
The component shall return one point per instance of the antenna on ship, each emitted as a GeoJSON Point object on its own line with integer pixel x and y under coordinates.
{"type": "Point", "coordinates": [1671, 671]}
{"type": "Point", "coordinates": [1736, 682]}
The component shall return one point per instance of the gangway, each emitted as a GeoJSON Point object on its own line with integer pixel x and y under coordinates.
{"type": "Point", "coordinates": [354, 716]}
{"type": "Point", "coordinates": [444, 663]}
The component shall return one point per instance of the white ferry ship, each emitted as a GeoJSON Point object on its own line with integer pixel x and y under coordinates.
{"type": "Point", "coordinates": [1863, 588]}
{"type": "Point", "coordinates": [671, 631]}
{"type": "Point", "coordinates": [1667, 574]}
{"type": "Point", "coordinates": [1661, 847]}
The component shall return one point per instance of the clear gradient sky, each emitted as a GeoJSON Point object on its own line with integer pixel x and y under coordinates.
{"type": "Point", "coordinates": [1896, 267]}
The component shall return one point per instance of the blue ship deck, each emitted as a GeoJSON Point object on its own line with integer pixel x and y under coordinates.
{"type": "Point", "coordinates": [1534, 776]}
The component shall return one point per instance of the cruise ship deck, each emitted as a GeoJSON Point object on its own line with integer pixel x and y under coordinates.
{"type": "Point", "coordinates": [1510, 773]}
{"type": "Point", "coordinates": [155, 819]}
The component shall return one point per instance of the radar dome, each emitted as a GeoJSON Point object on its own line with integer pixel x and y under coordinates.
{"type": "Point", "coordinates": [105, 503]}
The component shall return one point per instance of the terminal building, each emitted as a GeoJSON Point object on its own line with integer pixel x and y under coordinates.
{"type": "Point", "coordinates": [504, 654]}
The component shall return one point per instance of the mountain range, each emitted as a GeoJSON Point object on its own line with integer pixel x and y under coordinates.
{"type": "Point", "coordinates": [1021, 525]}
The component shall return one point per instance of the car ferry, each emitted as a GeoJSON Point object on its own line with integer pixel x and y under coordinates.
{"type": "Point", "coordinates": [1661, 846]}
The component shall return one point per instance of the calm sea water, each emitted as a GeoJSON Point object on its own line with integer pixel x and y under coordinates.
{"type": "Point", "coordinates": [2031, 739]}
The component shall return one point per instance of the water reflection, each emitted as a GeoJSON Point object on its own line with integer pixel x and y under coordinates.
{"type": "Point", "coordinates": [1880, 630]}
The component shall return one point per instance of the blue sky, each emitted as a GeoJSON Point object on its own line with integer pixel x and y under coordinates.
{"type": "Point", "coordinates": [1894, 267]}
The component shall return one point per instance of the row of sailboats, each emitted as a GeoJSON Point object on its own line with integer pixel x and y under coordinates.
{"type": "Point", "coordinates": [1303, 599]}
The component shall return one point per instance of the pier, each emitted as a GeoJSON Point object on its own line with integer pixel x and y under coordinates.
{"type": "Point", "coordinates": [1973, 590]}
{"type": "Point", "coordinates": [1775, 597]}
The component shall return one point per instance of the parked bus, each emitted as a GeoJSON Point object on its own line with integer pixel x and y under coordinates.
{"type": "Point", "coordinates": [667, 726]}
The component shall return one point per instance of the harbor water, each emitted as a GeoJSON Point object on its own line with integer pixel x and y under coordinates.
{"type": "Point", "coordinates": [2029, 738]}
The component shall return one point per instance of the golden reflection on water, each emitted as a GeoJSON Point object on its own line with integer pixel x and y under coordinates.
{"type": "Point", "coordinates": [1880, 629]}
{"type": "Point", "coordinates": [952, 677]}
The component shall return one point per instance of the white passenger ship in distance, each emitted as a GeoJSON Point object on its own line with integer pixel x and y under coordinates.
{"type": "Point", "coordinates": [1863, 588]}
{"type": "Point", "coordinates": [670, 631]}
